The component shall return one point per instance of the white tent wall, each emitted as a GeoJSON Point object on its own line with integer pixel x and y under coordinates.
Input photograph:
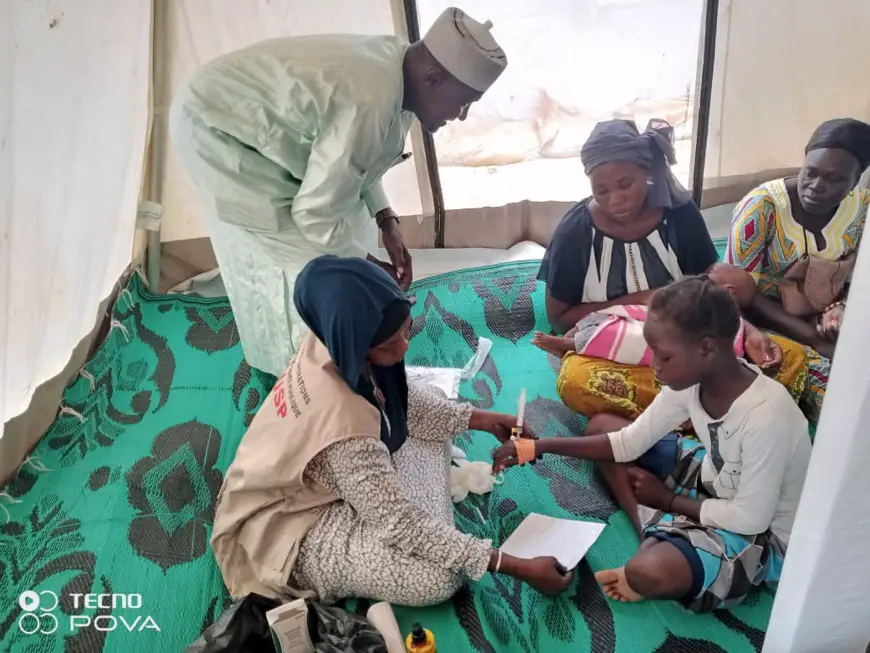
{"type": "Point", "coordinates": [821, 601]}
{"type": "Point", "coordinates": [782, 67]}
{"type": "Point", "coordinates": [73, 126]}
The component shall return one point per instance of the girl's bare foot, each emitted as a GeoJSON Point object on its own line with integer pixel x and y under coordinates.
{"type": "Point", "coordinates": [558, 346]}
{"type": "Point", "coordinates": [615, 586]}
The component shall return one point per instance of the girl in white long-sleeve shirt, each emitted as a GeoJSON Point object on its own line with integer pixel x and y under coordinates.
{"type": "Point", "coordinates": [720, 511]}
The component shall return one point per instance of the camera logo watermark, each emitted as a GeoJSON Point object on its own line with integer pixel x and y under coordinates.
{"type": "Point", "coordinates": [37, 615]}
{"type": "Point", "coordinates": [39, 608]}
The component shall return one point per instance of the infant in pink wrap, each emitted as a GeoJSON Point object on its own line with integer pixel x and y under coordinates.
{"type": "Point", "coordinates": [615, 333]}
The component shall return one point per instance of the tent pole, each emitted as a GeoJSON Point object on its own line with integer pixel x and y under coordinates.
{"type": "Point", "coordinates": [705, 97]}
{"type": "Point", "coordinates": [153, 263]}
{"type": "Point", "coordinates": [412, 21]}
{"type": "Point", "coordinates": [155, 162]}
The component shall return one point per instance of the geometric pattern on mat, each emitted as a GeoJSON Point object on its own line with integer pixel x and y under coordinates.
{"type": "Point", "coordinates": [137, 460]}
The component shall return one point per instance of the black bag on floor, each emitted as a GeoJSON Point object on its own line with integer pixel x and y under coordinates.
{"type": "Point", "coordinates": [242, 628]}
{"type": "Point", "coordinates": [339, 631]}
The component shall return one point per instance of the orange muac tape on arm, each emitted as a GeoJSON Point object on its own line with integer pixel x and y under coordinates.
{"type": "Point", "coordinates": [525, 450]}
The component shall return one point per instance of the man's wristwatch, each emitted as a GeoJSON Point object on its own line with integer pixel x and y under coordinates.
{"type": "Point", "coordinates": [383, 216]}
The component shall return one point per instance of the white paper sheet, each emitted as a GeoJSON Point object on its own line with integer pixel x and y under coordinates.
{"type": "Point", "coordinates": [566, 540]}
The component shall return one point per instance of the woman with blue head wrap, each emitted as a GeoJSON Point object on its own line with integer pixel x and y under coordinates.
{"type": "Point", "coordinates": [340, 487]}
{"type": "Point", "coordinates": [363, 319]}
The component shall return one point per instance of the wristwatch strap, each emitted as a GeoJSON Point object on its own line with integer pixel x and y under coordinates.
{"type": "Point", "coordinates": [383, 216]}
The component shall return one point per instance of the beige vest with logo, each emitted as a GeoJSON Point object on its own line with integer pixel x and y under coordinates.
{"type": "Point", "coordinates": [266, 506]}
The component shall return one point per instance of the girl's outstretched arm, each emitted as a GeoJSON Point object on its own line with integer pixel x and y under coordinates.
{"type": "Point", "coordinates": [592, 447]}
{"type": "Point", "coordinates": [666, 413]}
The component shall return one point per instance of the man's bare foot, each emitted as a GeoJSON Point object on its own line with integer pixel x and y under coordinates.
{"type": "Point", "coordinates": [615, 586]}
{"type": "Point", "coordinates": [558, 346]}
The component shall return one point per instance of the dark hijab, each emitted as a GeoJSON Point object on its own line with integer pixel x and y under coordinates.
{"type": "Point", "coordinates": [847, 134]}
{"type": "Point", "coordinates": [619, 140]}
{"type": "Point", "coordinates": [352, 305]}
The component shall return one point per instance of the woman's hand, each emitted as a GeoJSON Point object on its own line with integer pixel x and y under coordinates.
{"type": "Point", "coordinates": [503, 457]}
{"type": "Point", "coordinates": [649, 490]}
{"type": "Point", "coordinates": [501, 425]}
{"type": "Point", "coordinates": [762, 351]}
{"type": "Point", "coordinates": [544, 573]}
{"type": "Point", "coordinates": [828, 326]}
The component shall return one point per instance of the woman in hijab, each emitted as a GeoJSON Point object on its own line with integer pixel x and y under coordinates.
{"type": "Point", "coordinates": [799, 236]}
{"type": "Point", "coordinates": [340, 486]}
{"type": "Point", "coordinates": [638, 232]}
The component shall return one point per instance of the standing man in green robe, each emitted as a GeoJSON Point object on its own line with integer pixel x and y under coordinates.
{"type": "Point", "coordinates": [287, 141]}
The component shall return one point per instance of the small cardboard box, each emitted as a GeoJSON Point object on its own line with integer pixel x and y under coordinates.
{"type": "Point", "coordinates": [289, 624]}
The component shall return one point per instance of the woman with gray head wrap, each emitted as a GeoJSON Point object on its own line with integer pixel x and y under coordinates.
{"type": "Point", "coordinates": [619, 141]}
{"type": "Point", "coordinates": [639, 230]}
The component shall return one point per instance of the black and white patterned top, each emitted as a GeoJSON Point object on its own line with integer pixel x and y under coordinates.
{"type": "Point", "coordinates": [377, 542]}
{"type": "Point", "coordinates": [583, 264]}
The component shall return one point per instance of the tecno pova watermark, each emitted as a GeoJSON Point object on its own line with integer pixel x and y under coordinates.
{"type": "Point", "coordinates": [40, 614]}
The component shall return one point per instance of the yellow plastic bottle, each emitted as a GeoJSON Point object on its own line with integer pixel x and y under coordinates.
{"type": "Point", "coordinates": [420, 640]}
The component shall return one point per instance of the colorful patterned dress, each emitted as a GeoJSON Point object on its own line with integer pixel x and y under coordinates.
{"type": "Point", "coordinates": [766, 240]}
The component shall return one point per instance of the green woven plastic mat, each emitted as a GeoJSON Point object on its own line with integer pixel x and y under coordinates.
{"type": "Point", "coordinates": [118, 496]}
